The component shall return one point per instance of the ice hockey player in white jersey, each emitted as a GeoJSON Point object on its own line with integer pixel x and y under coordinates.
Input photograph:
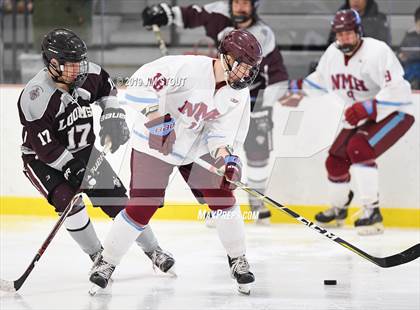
{"type": "Point", "coordinates": [191, 106]}
{"type": "Point", "coordinates": [218, 18]}
{"type": "Point", "coordinates": [366, 74]}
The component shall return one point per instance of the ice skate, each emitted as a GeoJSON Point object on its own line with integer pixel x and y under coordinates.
{"type": "Point", "coordinates": [95, 255]}
{"type": "Point", "coordinates": [239, 268]}
{"type": "Point", "coordinates": [370, 222]}
{"type": "Point", "coordinates": [210, 220]}
{"type": "Point", "coordinates": [162, 260]}
{"type": "Point", "coordinates": [100, 274]}
{"type": "Point", "coordinates": [334, 216]}
{"type": "Point", "coordinates": [264, 214]}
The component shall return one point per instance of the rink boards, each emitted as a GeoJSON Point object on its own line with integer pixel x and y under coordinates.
{"type": "Point", "coordinates": [298, 178]}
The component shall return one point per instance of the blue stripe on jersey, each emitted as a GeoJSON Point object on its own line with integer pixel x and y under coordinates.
{"type": "Point", "coordinates": [131, 222]}
{"type": "Point", "coordinates": [141, 100]}
{"type": "Point", "coordinates": [214, 136]}
{"type": "Point", "coordinates": [314, 85]}
{"type": "Point", "coordinates": [142, 136]}
{"type": "Point", "coordinates": [390, 103]}
{"type": "Point", "coordinates": [386, 129]}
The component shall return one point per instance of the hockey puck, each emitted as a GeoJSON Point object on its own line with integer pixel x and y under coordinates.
{"type": "Point", "coordinates": [330, 282]}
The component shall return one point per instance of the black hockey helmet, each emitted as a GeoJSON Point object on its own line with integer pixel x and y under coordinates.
{"type": "Point", "coordinates": [243, 18]}
{"type": "Point", "coordinates": [65, 46]}
{"type": "Point", "coordinates": [243, 47]}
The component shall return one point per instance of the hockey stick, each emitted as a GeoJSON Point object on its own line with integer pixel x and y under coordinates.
{"type": "Point", "coordinates": [162, 44]}
{"type": "Point", "coordinates": [385, 262]}
{"type": "Point", "coordinates": [14, 286]}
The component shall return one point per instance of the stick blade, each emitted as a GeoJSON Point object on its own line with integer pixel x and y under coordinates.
{"type": "Point", "coordinates": [403, 257]}
{"type": "Point", "coordinates": [7, 286]}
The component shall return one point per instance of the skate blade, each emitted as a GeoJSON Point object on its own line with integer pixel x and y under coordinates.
{"type": "Point", "coordinates": [210, 223]}
{"type": "Point", "coordinates": [96, 290]}
{"type": "Point", "coordinates": [244, 288]}
{"type": "Point", "coordinates": [375, 229]}
{"type": "Point", "coordinates": [263, 222]}
{"type": "Point", "coordinates": [172, 272]}
{"type": "Point", "coordinates": [332, 224]}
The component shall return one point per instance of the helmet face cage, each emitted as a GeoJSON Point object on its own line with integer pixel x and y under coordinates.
{"type": "Point", "coordinates": [68, 49]}
{"type": "Point", "coordinates": [237, 19]}
{"type": "Point", "coordinates": [83, 73]}
{"type": "Point", "coordinates": [347, 20]}
{"type": "Point", "coordinates": [237, 75]}
{"type": "Point", "coordinates": [240, 55]}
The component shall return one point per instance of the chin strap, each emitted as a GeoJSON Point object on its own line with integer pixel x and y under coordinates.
{"type": "Point", "coordinates": [225, 70]}
{"type": "Point", "coordinates": [229, 68]}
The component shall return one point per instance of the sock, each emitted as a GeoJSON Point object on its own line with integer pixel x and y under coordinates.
{"type": "Point", "coordinates": [231, 230]}
{"type": "Point", "coordinates": [81, 230]}
{"type": "Point", "coordinates": [338, 193]}
{"type": "Point", "coordinates": [258, 181]}
{"type": "Point", "coordinates": [147, 240]}
{"type": "Point", "coordinates": [367, 181]}
{"type": "Point", "coordinates": [120, 238]}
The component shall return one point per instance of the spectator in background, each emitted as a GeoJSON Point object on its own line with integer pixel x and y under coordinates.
{"type": "Point", "coordinates": [409, 53]}
{"type": "Point", "coordinates": [374, 23]}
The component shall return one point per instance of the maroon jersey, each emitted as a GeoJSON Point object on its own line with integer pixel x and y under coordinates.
{"type": "Point", "coordinates": [57, 123]}
{"type": "Point", "coordinates": [215, 18]}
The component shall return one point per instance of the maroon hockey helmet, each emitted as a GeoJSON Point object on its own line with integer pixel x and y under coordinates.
{"type": "Point", "coordinates": [347, 20]}
{"type": "Point", "coordinates": [243, 47]}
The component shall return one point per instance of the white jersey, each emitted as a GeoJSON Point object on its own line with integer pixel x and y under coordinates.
{"type": "Point", "coordinates": [185, 87]}
{"type": "Point", "coordinates": [373, 71]}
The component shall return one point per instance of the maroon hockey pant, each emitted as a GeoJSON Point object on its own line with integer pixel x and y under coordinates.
{"type": "Point", "coordinates": [364, 144]}
{"type": "Point", "coordinates": [150, 178]}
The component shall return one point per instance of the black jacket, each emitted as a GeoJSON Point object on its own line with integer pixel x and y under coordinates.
{"type": "Point", "coordinates": [410, 46]}
{"type": "Point", "coordinates": [375, 23]}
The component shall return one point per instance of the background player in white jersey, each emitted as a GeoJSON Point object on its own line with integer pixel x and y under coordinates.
{"type": "Point", "coordinates": [204, 115]}
{"type": "Point", "coordinates": [366, 74]}
{"type": "Point", "coordinates": [218, 18]}
{"type": "Point", "coordinates": [58, 139]}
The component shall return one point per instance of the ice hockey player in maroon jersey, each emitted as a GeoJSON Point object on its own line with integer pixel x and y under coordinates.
{"type": "Point", "coordinates": [58, 139]}
{"type": "Point", "coordinates": [219, 18]}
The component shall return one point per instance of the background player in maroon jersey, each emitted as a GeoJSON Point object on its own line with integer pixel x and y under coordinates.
{"type": "Point", "coordinates": [58, 139]}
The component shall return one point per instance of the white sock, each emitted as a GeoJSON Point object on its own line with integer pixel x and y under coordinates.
{"type": "Point", "coordinates": [147, 240]}
{"type": "Point", "coordinates": [81, 230]}
{"type": "Point", "coordinates": [120, 238]}
{"type": "Point", "coordinates": [231, 230]}
{"type": "Point", "coordinates": [258, 176]}
{"type": "Point", "coordinates": [77, 220]}
{"type": "Point", "coordinates": [338, 193]}
{"type": "Point", "coordinates": [367, 181]}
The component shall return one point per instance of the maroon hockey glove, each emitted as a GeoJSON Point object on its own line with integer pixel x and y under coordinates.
{"type": "Point", "coordinates": [162, 134]}
{"type": "Point", "coordinates": [293, 95]}
{"type": "Point", "coordinates": [361, 111]}
{"type": "Point", "coordinates": [233, 172]}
